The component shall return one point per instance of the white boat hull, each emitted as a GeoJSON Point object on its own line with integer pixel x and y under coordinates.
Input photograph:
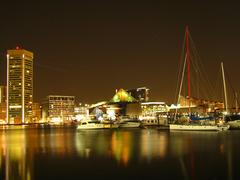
{"type": "Point", "coordinates": [110, 126]}
{"type": "Point", "coordinates": [129, 125]}
{"type": "Point", "coordinates": [188, 127]}
{"type": "Point", "coordinates": [234, 124]}
{"type": "Point", "coordinates": [91, 126]}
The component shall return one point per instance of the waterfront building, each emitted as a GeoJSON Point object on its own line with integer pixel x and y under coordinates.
{"type": "Point", "coordinates": [154, 113]}
{"type": "Point", "coordinates": [153, 108]}
{"type": "Point", "coordinates": [58, 109]}
{"type": "Point", "coordinates": [124, 104]}
{"type": "Point", "coordinates": [19, 86]}
{"type": "Point", "coordinates": [81, 111]}
{"type": "Point", "coordinates": [3, 112]}
{"type": "Point", "coordinates": [140, 94]}
{"type": "Point", "coordinates": [36, 112]}
{"type": "Point", "coordinates": [3, 105]}
{"type": "Point", "coordinates": [199, 105]}
{"type": "Point", "coordinates": [3, 94]}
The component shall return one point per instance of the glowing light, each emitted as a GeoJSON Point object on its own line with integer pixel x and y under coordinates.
{"type": "Point", "coordinates": [225, 112]}
{"type": "Point", "coordinates": [111, 114]}
{"type": "Point", "coordinates": [16, 106]}
{"type": "Point", "coordinates": [56, 120]}
{"type": "Point", "coordinates": [173, 106]}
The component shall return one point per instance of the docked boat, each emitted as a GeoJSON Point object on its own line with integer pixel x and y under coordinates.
{"type": "Point", "coordinates": [234, 124]}
{"type": "Point", "coordinates": [107, 124]}
{"type": "Point", "coordinates": [154, 121]}
{"type": "Point", "coordinates": [198, 127]}
{"type": "Point", "coordinates": [90, 124]}
{"type": "Point", "coordinates": [233, 121]}
{"type": "Point", "coordinates": [127, 122]}
{"type": "Point", "coordinates": [192, 121]}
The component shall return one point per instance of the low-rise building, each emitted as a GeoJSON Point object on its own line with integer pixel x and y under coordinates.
{"type": "Point", "coordinates": [59, 109]}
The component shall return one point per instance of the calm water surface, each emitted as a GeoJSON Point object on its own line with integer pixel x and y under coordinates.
{"type": "Point", "coordinates": [65, 153]}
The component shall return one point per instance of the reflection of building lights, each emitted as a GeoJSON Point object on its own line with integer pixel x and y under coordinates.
{"type": "Point", "coordinates": [87, 152]}
{"type": "Point", "coordinates": [154, 145]}
{"type": "Point", "coordinates": [121, 146]}
{"type": "Point", "coordinates": [221, 147]}
{"type": "Point", "coordinates": [162, 145]}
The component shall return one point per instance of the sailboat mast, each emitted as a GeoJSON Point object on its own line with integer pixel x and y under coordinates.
{"type": "Point", "coordinates": [236, 101]}
{"type": "Point", "coordinates": [188, 68]}
{"type": "Point", "coordinates": [224, 86]}
{"type": "Point", "coordinates": [180, 89]}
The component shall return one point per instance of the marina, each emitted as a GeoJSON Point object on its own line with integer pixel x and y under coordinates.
{"type": "Point", "coordinates": [120, 90]}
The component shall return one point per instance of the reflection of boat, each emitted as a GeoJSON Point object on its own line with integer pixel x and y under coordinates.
{"type": "Point", "coordinates": [198, 127]}
{"type": "Point", "coordinates": [127, 122]}
{"type": "Point", "coordinates": [90, 124]}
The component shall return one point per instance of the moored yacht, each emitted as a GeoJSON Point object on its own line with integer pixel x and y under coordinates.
{"type": "Point", "coordinates": [198, 127]}
{"type": "Point", "coordinates": [90, 124]}
{"type": "Point", "coordinates": [127, 122]}
{"type": "Point", "coordinates": [233, 121]}
{"type": "Point", "coordinates": [108, 124]}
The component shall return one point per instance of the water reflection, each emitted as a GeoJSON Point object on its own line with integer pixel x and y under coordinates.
{"type": "Point", "coordinates": [194, 154]}
{"type": "Point", "coordinates": [153, 144]}
{"type": "Point", "coordinates": [13, 156]}
{"type": "Point", "coordinates": [122, 145]}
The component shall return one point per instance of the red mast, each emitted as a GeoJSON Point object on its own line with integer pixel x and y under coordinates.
{"type": "Point", "coordinates": [188, 67]}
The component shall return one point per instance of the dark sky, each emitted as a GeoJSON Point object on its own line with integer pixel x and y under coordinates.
{"type": "Point", "coordinates": [90, 48]}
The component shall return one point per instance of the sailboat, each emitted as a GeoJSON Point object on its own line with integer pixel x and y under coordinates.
{"type": "Point", "coordinates": [189, 126]}
{"type": "Point", "coordinates": [233, 120]}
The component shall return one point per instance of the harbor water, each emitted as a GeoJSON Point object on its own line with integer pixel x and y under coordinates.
{"type": "Point", "coordinates": [67, 153]}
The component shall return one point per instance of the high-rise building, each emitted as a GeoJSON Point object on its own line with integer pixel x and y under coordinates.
{"type": "Point", "coordinates": [19, 86]}
{"type": "Point", "coordinates": [3, 94]}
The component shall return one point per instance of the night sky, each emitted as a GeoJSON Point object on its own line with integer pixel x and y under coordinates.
{"type": "Point", "coordinates": [90, 48]}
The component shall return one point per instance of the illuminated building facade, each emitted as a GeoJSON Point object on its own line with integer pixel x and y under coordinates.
{"type": "Point", "coordinates": [124, 104]}
{"type": "Point", "coordinates": [3, 94]}
{"type": "Point", "coordinates": [154, 113]}
{"type": "Point", "coordinates": [81, 111]}
{"type": "Point", "coordinates": [199, 105]}
{"type": "Point", "coordinates": [140, 94]}
{"type": "Point", "coordinates": [153, 108]}
{"type": "Point", "coordinates": [19, 86]}
{"type": "Point", "coordinates": [36, 112]}
{"type": "Point", "coordinates": [57, 108]}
